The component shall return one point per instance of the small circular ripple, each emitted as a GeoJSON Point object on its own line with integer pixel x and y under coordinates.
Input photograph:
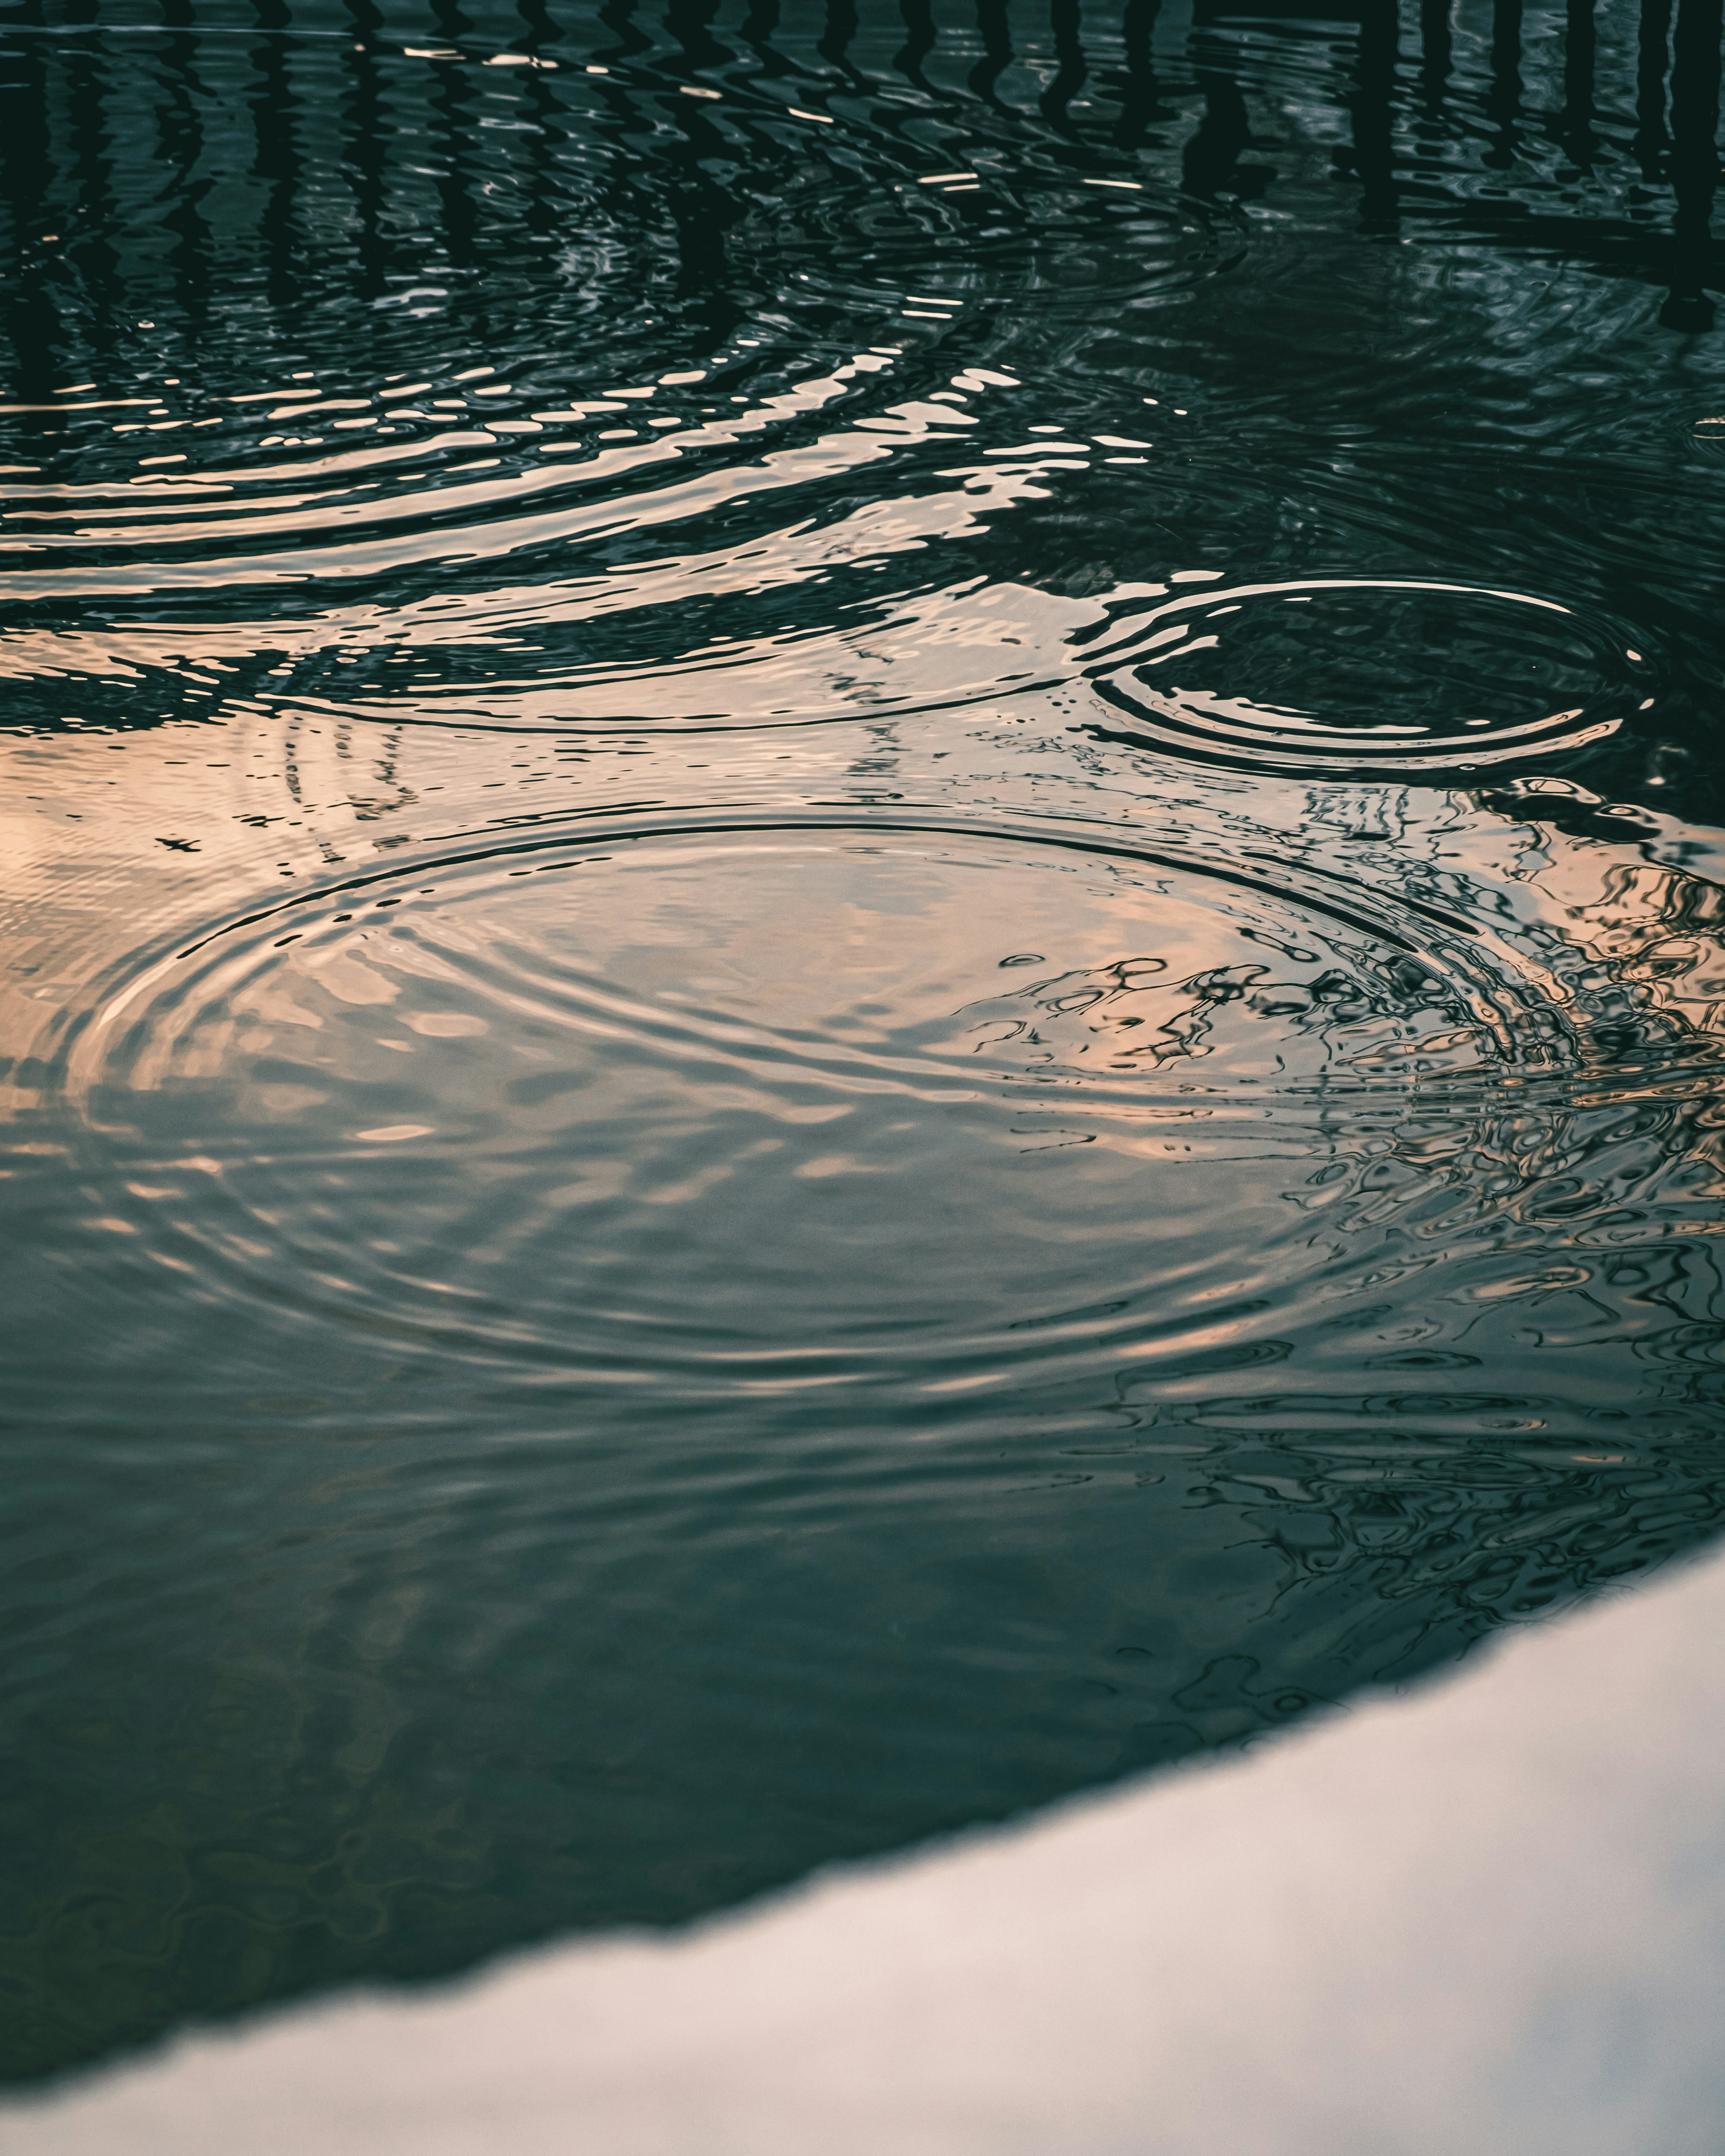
{"type": "Point", "coordinates": [1350, 676]}
{"type": "Point", "coordinates": [772, 1107]}
{"type": "Point", "coordinates": [1708, 435]}
{"type": "Point", "coordinates": [932, 249]}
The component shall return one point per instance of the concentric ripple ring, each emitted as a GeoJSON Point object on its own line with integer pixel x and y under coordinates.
{"type": "Point", "coordinates": [518, 1104]}
{"type": "Point", "coordinates": [1370, 677]}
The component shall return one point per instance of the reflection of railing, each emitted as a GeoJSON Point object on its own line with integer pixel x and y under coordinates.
{"type": "Point", "coordinates": [129, 163]}
{"type": "Point", "coordinates": [1674, 141]}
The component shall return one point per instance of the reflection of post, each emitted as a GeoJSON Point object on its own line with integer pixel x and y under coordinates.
{"type": "Point", "coordinates": [756, 33]}
{"type": "Point", "coordinates": [689, 22]}
{"type": "Point", "coordinates": [1210, 159]}
{"type": "Point", "coordinates": [544, 218]}
{"type": "Point", "coordinates": [276, 162]}
{"type": "Point", "coordinates": [32, 318]}
{"type": "Point", "coordinates": [1503, 103]}
{"type": "Point", "coordinates": [180, 134]}
{"type": "Point", "coordinates": [1575, 130]}
{"type": "Point", "coordinates": [619, 18]}
{"type": "Point", "coordinates": [1651, 141]}
{"type": "Point", "coordinates": [1069, 70]}
{"type": "Point", "coordinates": [997, 49]}
{"type": "Point", "coordinates": [1695, 162]}
{"type": "Point", "coordinates": [835, 46]}
{"type": "Point", "coordinates": [919, 41]}
{"type": "Point", "coordinates": [91, 70]}
{"type": "Point", "coordinates": [453, 135]}
{"type": "Point", "coordinates": [1373, 133]}
{"type": "Point", "coordinates": [1436, 42]}
{"type": "Point", "coordinates": [364, 151]}
{"type": "Point", "coordinates": [701, 207]}
{"type": "Point", "coordinates": [1141, 101]}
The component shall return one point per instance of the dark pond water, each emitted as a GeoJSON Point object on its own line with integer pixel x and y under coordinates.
{"type": "Point", "coordinates": [864, 944]}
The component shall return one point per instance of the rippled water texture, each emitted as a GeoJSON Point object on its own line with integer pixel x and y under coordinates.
{"type": "Point", "coordinates": [866, 928]}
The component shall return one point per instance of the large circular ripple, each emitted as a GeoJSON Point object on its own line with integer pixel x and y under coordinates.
{"type": "Point", "coordinates": [778, 1107]}
{"type": "Point", "coordinates": [1350, 676]}
{"type": "Point", "coordinates": [967, 240]}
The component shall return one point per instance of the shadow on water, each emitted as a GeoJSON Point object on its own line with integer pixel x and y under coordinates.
{"type": "Point", "coordinates": [867, 950]}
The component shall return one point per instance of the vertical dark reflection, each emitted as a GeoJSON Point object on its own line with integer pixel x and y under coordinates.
{"type": "Point", "coordinates": [758, 26]}
{"type": "Point", "coordinates": [1210, 161]}
{"type": "Point", "coordinates": [94, 214]}
{"type": "Point", "coordinates": [180, 142]}
{"type": "Point", "coordinates": [1575, 127]}
{"type": "Point", "coordinates": [1067, 24]}
{"type": "Point", "coordinates": [1503, 101]}
{"type": "Point", "coordinates": [1651, 141]}
{"type": "Point", "coordinates": [32, 318]}
{"type": "Point", "coordinates": [1374, 127]}
{"type": "Point", "coordinates": [702, 210]}
{"type": "Point", "coordinates": [453, 135]}
{"type": "Point", "coordinates": [366, 149]}
{"type": "Point", "coordinates": [623, 111]}
{"type": "Point", "coordinates": [1141, 93]}
{"type": "Point", "coordinates": [276, 161]}
{"type": "Point", "coordinates": [995, 32]}
{"type": "Point", "coordinates": [919, 41]}
{"type": "Point", "coordinates": [1435, 49]}
{"type": "Point", "coordinates": [619, 16]}
{"type": "Point", "coordinates": [835, 46]}
{"type": "Point", "coordinates": [689, 21]}
{"type": "Point", "coordinates": [1694, 162]}
{"type": "Point", "coordinates": [542, 102]}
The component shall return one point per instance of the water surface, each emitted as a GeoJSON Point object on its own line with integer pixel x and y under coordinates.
{"type": "Point", "coordinates": [864, 929]}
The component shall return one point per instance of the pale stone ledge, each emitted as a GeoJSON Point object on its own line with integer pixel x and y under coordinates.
{"type": "Point", "coordinates": [1487, 1919]}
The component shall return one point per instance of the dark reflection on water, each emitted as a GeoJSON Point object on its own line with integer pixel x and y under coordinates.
{"type": "Point", "coordinates": [866, 939]}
